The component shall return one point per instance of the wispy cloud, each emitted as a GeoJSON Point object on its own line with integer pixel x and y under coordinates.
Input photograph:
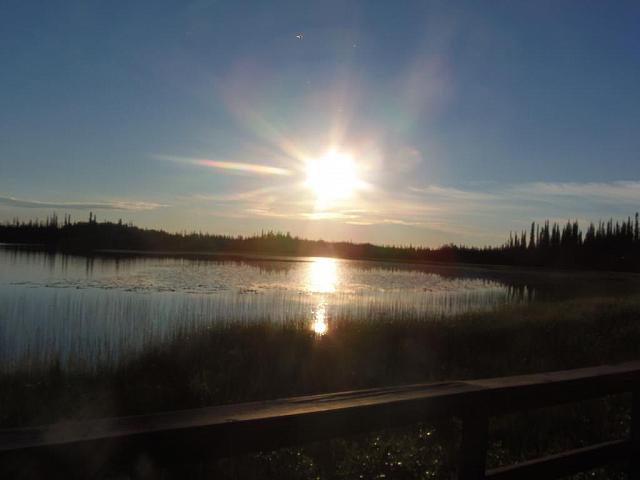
{"type": "Point", "coordinates": [245, 167]}
{"type": "Point", "coordinates": [622, 191]}
{"type": "Point", "coordinates": [256, 168]}
{"type": "Point", "coordinates": [111, 205]}
{"type": "Point", "coordinates": [235, 197]}
{"type": "Point", "coordinates": [558, 193]}
{"type": "Point", "coordinates": [449, 193]}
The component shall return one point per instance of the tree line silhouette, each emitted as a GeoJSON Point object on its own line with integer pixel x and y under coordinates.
{"type": "Point", "coordinates": [605, 245]}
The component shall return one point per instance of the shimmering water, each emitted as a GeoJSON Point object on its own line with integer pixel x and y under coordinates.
{"type": "Point", "coordinates": [56, 307]}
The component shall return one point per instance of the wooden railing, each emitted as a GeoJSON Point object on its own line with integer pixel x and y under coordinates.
{"type": "Point", "coordinates": [192, 435]}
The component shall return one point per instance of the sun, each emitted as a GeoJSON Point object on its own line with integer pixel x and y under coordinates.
{"type": "Point", "coordinates": [332, 177]}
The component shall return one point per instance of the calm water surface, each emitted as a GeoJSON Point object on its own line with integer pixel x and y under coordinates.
{"type": "Point", "coordinates": [57, 307]}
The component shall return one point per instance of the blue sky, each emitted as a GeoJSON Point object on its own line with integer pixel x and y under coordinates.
{"type": "Point", "coordinates": [463, 120]}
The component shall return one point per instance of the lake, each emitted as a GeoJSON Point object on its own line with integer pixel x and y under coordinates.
{"type": "Point", "coordinates": [94, 311]}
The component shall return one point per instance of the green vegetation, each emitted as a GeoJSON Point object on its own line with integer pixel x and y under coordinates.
{"type": "Point", "coordinates": [234, 364]}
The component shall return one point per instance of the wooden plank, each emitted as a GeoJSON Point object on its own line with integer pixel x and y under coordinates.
{"type": "Point", "coordinates": [233, 429]}
{"type": "Point", "coordinates": [299, 418]}
{"type": "Point", "coordinates": [566, 463]}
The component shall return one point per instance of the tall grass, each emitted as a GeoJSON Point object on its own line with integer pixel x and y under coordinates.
{"type": "Point", "coordinates": [234, 363]}
{"type": "Point", "coordinates": [102, 327]}
{"type": "Point", "coordinates": [208, 365]}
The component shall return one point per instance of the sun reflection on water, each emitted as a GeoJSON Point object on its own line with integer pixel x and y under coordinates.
{"type": "Point", "coordinates": [322, 278]}
{"type": "Point", "coordinates": [322, 275]}
{"type": "Point", "coordinates": [319, 324]}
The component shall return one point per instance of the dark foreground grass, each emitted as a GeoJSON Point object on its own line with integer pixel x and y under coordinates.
{"type": "Point", "coordinates": [234, 364]}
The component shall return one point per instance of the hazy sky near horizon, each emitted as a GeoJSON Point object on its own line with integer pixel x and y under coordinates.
{"type": "Point", "coordinates": [462, 120]}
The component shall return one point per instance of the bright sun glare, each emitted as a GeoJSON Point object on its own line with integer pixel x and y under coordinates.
{"type": "Point", "coordinates": [332, 177]}
{"type": "Point", "coordinates": [322, 277]}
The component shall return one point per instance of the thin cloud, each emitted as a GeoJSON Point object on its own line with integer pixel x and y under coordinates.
{"type": "Point", "coordinates": [557, 192]}
{"type": "Point", "coordinates": [245, 167]}
{"type": "Point", "coordinates": [621, 191]}
{"type": "Point", "coordinates": [259, 169]}
{"type": "Point", "coordinates": [114, 205]}
{"type": "Point", "coordinates": [235, 197]}
{"type": "Point", "coordinates": [449, 193]}
{"type": "Point", "coordinates": [393, 221]}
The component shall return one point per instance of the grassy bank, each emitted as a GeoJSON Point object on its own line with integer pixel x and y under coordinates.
{"type": "Point", "coordinates": [234, 364]}
{"type": "Point", "coordinates": [239, 363]}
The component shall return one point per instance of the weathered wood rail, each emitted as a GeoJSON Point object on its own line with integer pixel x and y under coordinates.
{"type": "Point", "coordinates": [229, 430]}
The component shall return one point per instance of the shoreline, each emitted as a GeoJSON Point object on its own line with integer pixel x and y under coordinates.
{"type": "Point", "coordinates": [293, 258]}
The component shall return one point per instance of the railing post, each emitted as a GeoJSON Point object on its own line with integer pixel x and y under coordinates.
{"type": "Point", "coordinates": [473, 449]}
{"type": "Point", "coordinates": [634, 459]}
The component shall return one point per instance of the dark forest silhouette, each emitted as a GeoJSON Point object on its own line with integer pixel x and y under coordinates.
{"type": "Point", "coordinates": [605, 245]}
